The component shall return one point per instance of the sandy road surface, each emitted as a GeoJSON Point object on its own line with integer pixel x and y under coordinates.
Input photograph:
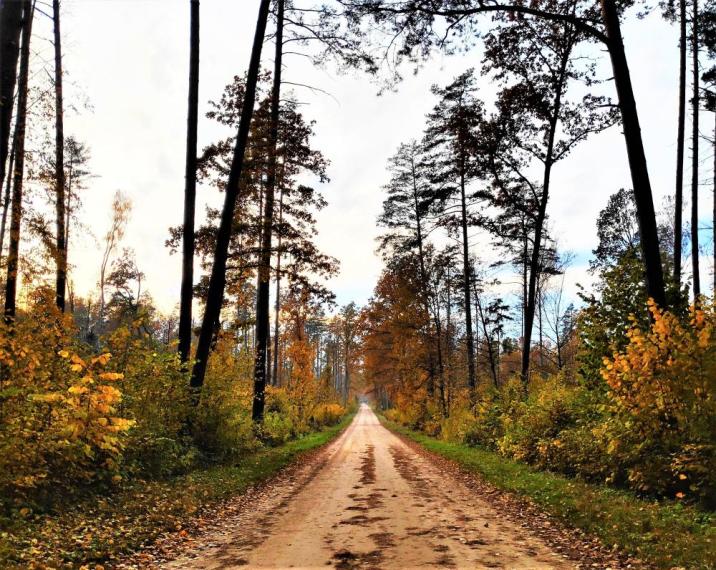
{"type": "Point", "coordinates": [369, 501]}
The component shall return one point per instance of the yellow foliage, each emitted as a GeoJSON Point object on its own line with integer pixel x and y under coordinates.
{"type": "Point", "coordinates": [59, 419]}
{"type": "Point", "coordinates": [663, 388]}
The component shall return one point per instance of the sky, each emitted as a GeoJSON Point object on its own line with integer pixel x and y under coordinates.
{"type": "Point", "coordinates": [129, 60]}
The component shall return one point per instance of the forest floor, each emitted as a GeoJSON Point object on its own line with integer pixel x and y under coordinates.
{"type": "Point", "coordinates": [372, 499]}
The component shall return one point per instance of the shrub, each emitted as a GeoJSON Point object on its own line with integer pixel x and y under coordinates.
{"type": "Point", "coordinates": [58, 410]}
{"type": "Point", "coordinates": [276, 429]}
{"type": "Point", "coordinates": [222, 420]}
{"type": "Point", "coordinates": [663, 393]}
{"type": "Point", "coordinates": [156, 396]}
{"type": "Point", "coordinates": [458, 425]}
{"type": "Point", "coordinates": [327, 415]}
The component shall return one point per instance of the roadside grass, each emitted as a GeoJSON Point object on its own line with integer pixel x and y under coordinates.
{"type": "Point", "coordinates": [102, 527]}
{"type": "Point", "coordinates": [664, 534]}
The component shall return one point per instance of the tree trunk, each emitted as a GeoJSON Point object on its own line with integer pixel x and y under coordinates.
{"type": "Point", "coordinates": [6, 197]}
{"type": "Point", "coordinates": [540, 328]}
{"type": "Point", "coordinates": [187, 269]}
{"type": "Point", "coordinates": [441, 364]}
{"type": "Point", "coordinates": [535, 258]}
{"type": "Point", "coordinates": [264, 269]}
{"type": "Point", "coordinates": [215, 293]}
{"type": "Point", "coordinates": [471, 375]}
{"type": "Point", "coordinates": [269, 377]}
{"type": "Point", "coordinates": [488, 341]}
{"type": "Point", "coordinates": [637, 159]}
{"type": "Point", "coordinates": [16, 214]}
{"type": "Point", "coordinates": [61, 253]}
{"type": "Point", "coordinates": [713, 214]}
{"type": "Point", "coordinates": [680, 136]}
{"type": "Point", "coordinates": [695, 155]}
{"type": "Point", "coordinates": [277, 306]}
{"type": "Point", "coordinates": [68, 209]}
{"type": "Point", "coordinates": [10, 28]}
{"type": "Point", "coordinates": [525, 274]}
{"type": "Point", "coordinates": [423, 276]}
{"type": "Point", "coordinates": [448, 346]}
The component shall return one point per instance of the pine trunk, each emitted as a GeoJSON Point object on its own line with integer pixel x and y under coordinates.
{"type": "Point", "coordinates": [264, 269]}
{"type": "Point", "coordinates": [10, 28]}
{"type": "Point", "coordinates": [471, 373]}
{"type": "Point", "coordinates": [277, 306]}
{"type": "Point", "coordinates": [61, 253]}
{"type": "Point", "coordinates": [646, 215]}
{"type": "Point", "coordinates": [680, 137]}
{"type": "Point", "coordinates": [695, 156]}
{"type": "Point", "coordinates": [535, 259]}
{"type": "Point", "coordinates": [187, 270]}
{"type": "Point", "coordinates": [424, 280]}
{"type": "Point", "coordinates": [6, 197]}
{"type": "Point", "coordinates": [488, 341]}
{"type": "Point", "coordinates": [16, 213]}
{"type": "Point", "coordinates": [217, 281]}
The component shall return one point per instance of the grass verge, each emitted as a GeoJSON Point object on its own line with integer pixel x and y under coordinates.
{"type": "Point", "coordinates": [103, 527]}
{"type": "Point", "coordinates": [663, 534]}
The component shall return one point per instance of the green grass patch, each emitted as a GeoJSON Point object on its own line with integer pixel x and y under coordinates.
{"type": "Point", "coordinates": [665, 534]}
{"type": "Point", "coordinates": [101, 527]}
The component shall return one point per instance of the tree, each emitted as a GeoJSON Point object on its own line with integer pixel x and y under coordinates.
{"type": "Point", "coordinates": [493, 317]}
{"type": "Point", "coordinates": [277, 305]}
{"type": "Point", "coordinates": [11, 25]}
{"type": "Point", "coordinates": [695, 152]}
{"type": "Point", "coordinates": [267, 226]}
{"type": "Point", "coordinates": [395, 357]}
{"type": "Point", "coordinates": [215, 292]}
{"type": "Point", "coordinates": [617, 231]}
{"type": "Point", "coordinates": [537, 125]}
{"type": "Point", "coordinates": [619, 292]}
{"type": "Point", "coordinates": [187, 280]}
{"type": "Point", "coordinates": [121, 210]}
{"type": "Point", "coordinates": [346, 329]}
{"type": "Point", "coordinates": [680, 141]}
{"type": "Point", "coordinates": [409, 200]}
{"type": "Point", "coordinates": [75, 177]}
{"type": "Point", "coordinates": [61, 254]}
{"type": "Point", "coordinates": [421, 28]}
{"type": "Point", "coordinates": [76, 157]}
{"type": "Point", "coordinates": [707, 31]}
{"type": "Point", "coordinates": [450, 143]}
{"type": "Point", "coordinates": [125, 284]}
{"type": "Point", "coordinates": [16, 214]}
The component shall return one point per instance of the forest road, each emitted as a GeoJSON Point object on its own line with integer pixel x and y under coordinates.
{"type": "Point", "coordinates": [368, 500]}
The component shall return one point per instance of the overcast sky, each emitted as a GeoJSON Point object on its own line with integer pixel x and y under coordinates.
{"type": "Point", "coordinates": [130, 59]}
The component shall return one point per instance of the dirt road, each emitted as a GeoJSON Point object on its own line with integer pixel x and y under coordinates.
{"type": "Point", "coordinates": [369, 501]}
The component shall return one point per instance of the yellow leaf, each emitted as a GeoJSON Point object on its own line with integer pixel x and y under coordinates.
{"type": "Point", "coordinates": [111, 376]}
{"type": "Point", "coordinates": [102, 359]}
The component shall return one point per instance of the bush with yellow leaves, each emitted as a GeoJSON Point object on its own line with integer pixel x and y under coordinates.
{"type": "Point", "coordinates": [663, 402]}
{"type": "Point", "coordinates": [222, 423]}
{"type": "Point", "coordinates": [327, 414]}
{"type": "Point", "coordinates": [71, 415]}
{"type": "Point", "coordinates": [155, 394]}
{"type": "Point", "coordinates": [58, 410]}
